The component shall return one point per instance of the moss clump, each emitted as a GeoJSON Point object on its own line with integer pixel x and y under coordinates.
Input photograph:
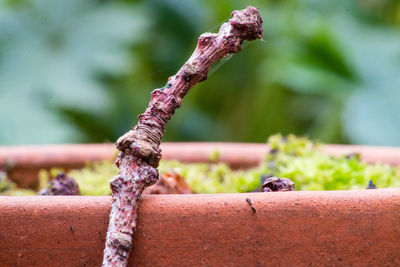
{"type": "Point", "coordinates": [214, 178]}
{"type": "Point", "coordinates": [201, 177]}
{"type": "Point", "coordinates": [93, 180]}
{"type": "Point", "coordinates": [303, 162]}
{"type": "Point", "coordinates": [296, 158]}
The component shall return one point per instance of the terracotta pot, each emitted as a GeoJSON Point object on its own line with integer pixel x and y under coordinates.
{"type": "Point", "coordinates": [360, 228]}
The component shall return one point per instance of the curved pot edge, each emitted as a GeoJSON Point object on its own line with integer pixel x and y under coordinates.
{"type": "Point", "coordinates": [359, 227]}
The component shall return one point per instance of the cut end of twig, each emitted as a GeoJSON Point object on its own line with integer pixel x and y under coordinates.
{"type": "Point", "coordinates": [248, 23]}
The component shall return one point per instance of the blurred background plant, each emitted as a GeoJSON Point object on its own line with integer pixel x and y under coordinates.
{"type": "Point", "coordinates": [81, 71]}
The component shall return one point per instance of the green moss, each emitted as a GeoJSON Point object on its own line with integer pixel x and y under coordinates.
{"type": "Point", "coordinates": [214, 178]}
{"type": "Point", "coordinates": [296, 158]}
{"type": "Point", "coordinates": [303, 162]}
{"type": "Point", "coordinates": [93, 180]}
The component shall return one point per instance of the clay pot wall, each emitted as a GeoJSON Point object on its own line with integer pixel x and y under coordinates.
{"type": "Point", "coordinates": [333, 228]}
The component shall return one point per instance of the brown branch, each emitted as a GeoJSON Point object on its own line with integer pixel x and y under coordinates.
{"type": "Point", "coordinates": [140, 152]}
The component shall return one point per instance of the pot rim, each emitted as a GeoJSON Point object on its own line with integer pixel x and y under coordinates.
{"type": "Point", "coordinates": [321, 228]}
{"type": "Point", "coordinates": [185, 151]}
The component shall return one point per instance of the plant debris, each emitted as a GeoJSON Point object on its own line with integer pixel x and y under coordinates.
{"type": "Point", "coordinates": [61, 185]}
{"type": "Point", "coordinates": [276, 184]}
{"type": "Point", "coordinates": [371, 185]}
{"type": "Point", "coordinates": [169, 183]}
{"type": "Point", "coordinates": [251, 205]}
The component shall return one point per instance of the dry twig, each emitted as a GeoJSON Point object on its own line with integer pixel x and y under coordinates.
{"type": "Point", "coordinates": [140, 152]}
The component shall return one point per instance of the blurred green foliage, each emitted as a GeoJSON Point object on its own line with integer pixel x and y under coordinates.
{"type": "Point", "coordinates": [81, 71]}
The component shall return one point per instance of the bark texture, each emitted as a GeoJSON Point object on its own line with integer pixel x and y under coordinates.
{"type": "Point", "coordinates": [140, 151]}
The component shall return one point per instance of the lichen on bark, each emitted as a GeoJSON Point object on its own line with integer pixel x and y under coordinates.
{"type": "Point", "coordinates": [140, 151]}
